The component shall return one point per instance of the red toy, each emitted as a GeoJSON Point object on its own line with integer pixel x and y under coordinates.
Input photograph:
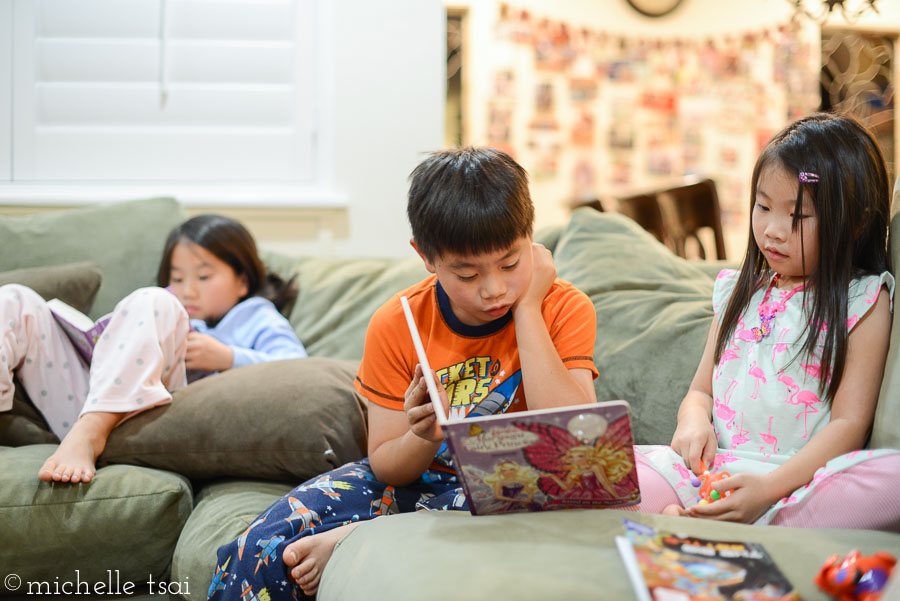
{"type": "Point", "coordinates": [856, 577]}
{"type": "Point", "coordinates": [705, 482]}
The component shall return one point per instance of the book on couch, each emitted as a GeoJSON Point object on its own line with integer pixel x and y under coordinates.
{"type": "Point", "coordinates": [664, 566]}
{"type": "Point", "coordinates": [80, 329]}
{"type": "Point", "coordinates": [568, 457]}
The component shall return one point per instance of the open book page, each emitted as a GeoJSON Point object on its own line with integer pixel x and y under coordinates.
{"type": "Point", "coordinates": [80, 329]}
{"type": "Point", "coordinates": [664, 566]}
{"type": "Point", "coordinates": [572, 457]}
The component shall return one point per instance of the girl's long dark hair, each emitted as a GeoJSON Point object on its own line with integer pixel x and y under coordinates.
{"type": "Point", "coordinates": [852, 201]}
{"type": "Point", "coordinates": [230, 242]}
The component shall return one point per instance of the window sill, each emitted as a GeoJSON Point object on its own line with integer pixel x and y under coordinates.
{"type": "Point", "coordinates": [189, 195]}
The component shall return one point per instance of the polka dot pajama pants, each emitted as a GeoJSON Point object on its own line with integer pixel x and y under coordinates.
{"type": "Point", "coordinates": [137, 363]}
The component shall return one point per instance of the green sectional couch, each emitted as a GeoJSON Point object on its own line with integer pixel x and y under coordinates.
{"type": "Point", "coordinates": [177, 481]}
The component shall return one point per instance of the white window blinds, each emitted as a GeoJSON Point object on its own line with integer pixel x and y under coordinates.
{"type": "Point", "coordinates": [162, 90]}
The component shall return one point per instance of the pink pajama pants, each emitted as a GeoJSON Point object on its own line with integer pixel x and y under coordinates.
{"type": "Point", "coordinates": [137, 363]}
{"type": "Point", "coordinates": [866, 495]}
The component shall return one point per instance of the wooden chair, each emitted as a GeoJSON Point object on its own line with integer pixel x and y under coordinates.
{"type": "Point", "coordinates": [674, 215]}
{"type": "Point", "coordinates": [688, 208]}
{"type": "Point", "coordinates": [645, 210]}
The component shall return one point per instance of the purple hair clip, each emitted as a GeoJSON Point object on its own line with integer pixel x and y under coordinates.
{"type": "Point", "coordinates": [809, 178]}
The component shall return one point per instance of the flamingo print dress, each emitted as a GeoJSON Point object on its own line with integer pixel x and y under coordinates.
{"type": "Point", "coordinates": [766, 402]}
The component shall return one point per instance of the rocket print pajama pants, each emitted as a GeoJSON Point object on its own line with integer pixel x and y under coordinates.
{"type": "Point", "coordinates": [251, 566]}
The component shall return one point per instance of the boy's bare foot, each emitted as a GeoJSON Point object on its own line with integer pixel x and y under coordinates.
{"type": "Point", "coordinates": [75, 458]}
{"type": "Point", "coordinates": [308, 556]}
{"type": "Point", "coordinates": [675, 510]}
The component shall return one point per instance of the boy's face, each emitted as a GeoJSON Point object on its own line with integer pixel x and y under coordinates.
{"type": "Point", "coordinates": [484, 287]}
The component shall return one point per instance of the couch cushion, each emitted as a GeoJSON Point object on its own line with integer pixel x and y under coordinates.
{"type": "Point", "coordinates": [283, 420]}
{"type": "Point", "coordinates": [338, 297]}
{"type": "Point", "coordinates": [886, 429]}
{"type": "Point", "coordinates": [550, 555]}
{"type": "Point", "coordinates": [223, 511]}
{"type": "Point", "coordinates": [75, 283]}
{"type": "Point", "coordinates": [654, 310]}
{"type": "Point", "coordinates": [23, 424]}
{"type": "Point", "coordinates": [128, 519]}
{"type": "Point", "coordinates": [125, 239]}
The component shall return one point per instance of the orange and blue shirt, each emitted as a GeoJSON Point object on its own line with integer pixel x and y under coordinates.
{"type": "Point", "coordinates": [476, 365]}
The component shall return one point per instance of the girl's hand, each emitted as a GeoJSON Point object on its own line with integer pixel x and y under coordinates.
{"type": "Point", "coordinates": [207, 354]}
{"type": "Point", "coordinates": [543, 274]}
{"type": "Point", "coordinates": [751, 495]}
{"type": "Point", "coordinates": [419, 410]}
{"type": "Point", "coordinates": [695, 439]}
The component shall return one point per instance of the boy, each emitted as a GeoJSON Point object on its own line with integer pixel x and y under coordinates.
{"type": "Point", "coordinates": [495, 323]}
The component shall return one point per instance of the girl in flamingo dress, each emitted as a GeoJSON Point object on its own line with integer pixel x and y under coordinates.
{"type": "Point", "coordinates": [785, 394]}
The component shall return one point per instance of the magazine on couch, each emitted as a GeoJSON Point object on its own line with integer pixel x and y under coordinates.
{"type": "Point", "coordinates": [664, 566]}
{"type": "Point", "coordinates": [568, 457]}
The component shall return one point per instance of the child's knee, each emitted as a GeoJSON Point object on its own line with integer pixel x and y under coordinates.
{"type": "Point", "coordinates": [19, 296]}
{"type": "Point", "coordinates": [153, 299]}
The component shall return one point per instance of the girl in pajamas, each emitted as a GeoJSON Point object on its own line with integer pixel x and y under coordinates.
{"type": "Point", "coordinates": [215, 309]}
{"type": "Point", "coordinates": [785, 394]}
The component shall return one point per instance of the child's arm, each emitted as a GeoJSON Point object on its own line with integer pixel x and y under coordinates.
{"type": "Point", "coordinates": [852, 413]}
{"type": "Point", "coordinates": [694, 437]}
{"type": "Point", "coordinates": [256, 335]}
{"type": "Point", "coordinates": [205, 353]}
{"type": "Point", "coordinates": [545, 378]}
{"type": "Point", "coordinates": [402, 444]}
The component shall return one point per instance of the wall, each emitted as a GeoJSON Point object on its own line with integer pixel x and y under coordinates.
{"type": "Point", "coordinates": [388, 111]}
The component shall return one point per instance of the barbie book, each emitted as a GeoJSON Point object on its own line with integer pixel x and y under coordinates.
{"type": "Point", "coordinates": [80, 329]}
{"type": "Point", "coordinates": [561, 458]}
{"type": "Point", "coordinates": [664, 566]}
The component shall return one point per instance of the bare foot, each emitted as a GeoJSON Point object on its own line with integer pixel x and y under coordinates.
{"type": "Point", "coordinates": [675, 510]}
{"type": "Point", "coordinates": [75, 458]}
{"type": "Point", "coordinates": [308, 556]}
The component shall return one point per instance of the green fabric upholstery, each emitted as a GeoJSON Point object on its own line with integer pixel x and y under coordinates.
{"type": "Point", "coordinates": [124, 239]}
{"type": "Point", "coordinates": [338, 297]}
{"type": "Point", "coordinates": [23, 424]}
{"type": "Point", "coordinates": [75, 283]}
{"type": "Point", "coordinates": [552, 555]}
{"type": "Point", "coordinates": [886, 429]}
{"type": "Point", "coordinates": [284, 420]}
{"type": "Point", "coordinates": [127, 519]}
{"type": "Point", "coordinates": [654, 310]}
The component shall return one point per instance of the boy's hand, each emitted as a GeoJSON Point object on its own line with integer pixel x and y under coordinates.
{"type": "Point", "coordinates": [543, 274]}
{"type": "Point", "coordinates": [205, 353]}
{"type": "Point", "coordinates": [751, 495]}
{"type": "Point", "coordinates": [419, 410]}
{"type": "Point", "coordinates": [695, 439]}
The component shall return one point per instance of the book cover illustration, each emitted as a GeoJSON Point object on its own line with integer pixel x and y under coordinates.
{"type": "Point", "coordinates": [574, 457]}
{"type": "Point", "coordinates": [664, 566]}
{"type": "Point", "coordinates": [79, 328]}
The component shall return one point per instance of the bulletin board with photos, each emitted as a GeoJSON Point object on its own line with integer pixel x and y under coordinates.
{"type": "Point", "coordinates": [592, 113]}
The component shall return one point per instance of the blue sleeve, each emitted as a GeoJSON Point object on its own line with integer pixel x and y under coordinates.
{"type": "Point", "coordinates": [274, 342]}
{"type": "Point", "coordinates": [256, 332]}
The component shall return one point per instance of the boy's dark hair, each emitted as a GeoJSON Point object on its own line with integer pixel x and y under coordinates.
{"type": "Point", "coordinates": [468, 201]}
{"type": "Point", "coordinates": [852, 201]}
{"type": "Point", "coordinates": [231, 243]}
